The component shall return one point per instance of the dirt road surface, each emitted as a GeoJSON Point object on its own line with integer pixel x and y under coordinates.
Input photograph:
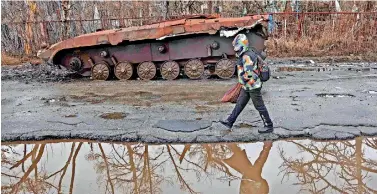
{"type": "Point", "coordinates": [320, 102]}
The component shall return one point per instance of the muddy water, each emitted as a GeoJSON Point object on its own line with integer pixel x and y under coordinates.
{"type": "Point", "coordinates": [296, 166]}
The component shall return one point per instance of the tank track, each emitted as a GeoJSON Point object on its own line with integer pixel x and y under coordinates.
{"type": "Point", "coordinates": [193, 69]}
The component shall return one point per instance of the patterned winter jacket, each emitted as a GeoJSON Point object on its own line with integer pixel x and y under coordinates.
{"type": "Point", "coordinates": [248, 71]}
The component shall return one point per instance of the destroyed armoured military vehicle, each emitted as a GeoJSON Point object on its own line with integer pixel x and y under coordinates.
{"type": "Point", "coordinates": [193, 46]}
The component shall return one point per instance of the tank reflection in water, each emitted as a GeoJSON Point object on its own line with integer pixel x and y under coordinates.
{"type": "Point", "coordinates": [296, 166]}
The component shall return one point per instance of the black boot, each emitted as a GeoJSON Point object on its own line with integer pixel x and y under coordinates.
{"type": "Point", "coordinates": [268, 125]}
{"type": "Point", "coordinates": [228, 124]}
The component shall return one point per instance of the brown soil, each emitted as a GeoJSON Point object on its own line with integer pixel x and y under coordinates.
{"type": "Point", "coordinates": [138, 93]}
{"type": "Point", "coordinates": [203, 109]}
{"type": "Point", "coordinates": [113, 115]}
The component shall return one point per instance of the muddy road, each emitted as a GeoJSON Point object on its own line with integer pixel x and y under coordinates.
{"type": "Point", "coordinates": [315, 101]}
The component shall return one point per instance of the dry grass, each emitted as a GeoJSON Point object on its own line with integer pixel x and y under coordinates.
{"type": "Point", "coordinates": [7, 59]}
{"type": "Point", "coordinates": [321, 48]}
{"type": "Point", "coordinates": [324, 39]}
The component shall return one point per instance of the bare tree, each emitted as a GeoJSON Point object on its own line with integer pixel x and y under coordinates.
{"type": "Point", "coordinates": [333, 166]}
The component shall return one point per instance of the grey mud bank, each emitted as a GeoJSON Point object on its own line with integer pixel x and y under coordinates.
{"type": "Point", "coordinates": [332, 102]}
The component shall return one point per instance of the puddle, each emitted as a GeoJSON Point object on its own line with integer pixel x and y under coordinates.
{"type": "Point", "coordinates": [293, 166]}
{"type": "Point", "coordinates": [246, 125]}
{"type": "Point", "coordinates": [290, 69]}
{"type": "Point", "coordinates": [146, 95]}
{"type": "Point", "coordinates": [332, 95]}
{"type": "Point", "coordinates": [322, 68]}
{"type": "Point", "coordinates": [372, 92]}
{"type": "Point", "coordinates": [293, 69]}
{"type": "Point", "coordinates": [70, 116]}
{"type": "Point", "coordinates": [113, 115]}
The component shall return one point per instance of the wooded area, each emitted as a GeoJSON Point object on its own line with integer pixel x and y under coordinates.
{"type": "Point", "coordinates": [27, 25]}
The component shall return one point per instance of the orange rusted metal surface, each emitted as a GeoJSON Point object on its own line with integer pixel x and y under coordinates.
{"type": "Point", "coordinates": [190, 25]}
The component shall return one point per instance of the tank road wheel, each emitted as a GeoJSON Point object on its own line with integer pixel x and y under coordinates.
{"type": "Point", "coordinates": [225, 68]}
{"type": "Point", "coordinates": [146, 70]}
{"type": "Point", "coordinates": [75, 64]}
{"type": "Point", "coordinates": [170, 70]}
{"type": "Point", "coordinates": [101, 71]}
{"type": "Point", "coordinates": [194, 68]}
{"type": "Point", "coordinates": [123, 70]}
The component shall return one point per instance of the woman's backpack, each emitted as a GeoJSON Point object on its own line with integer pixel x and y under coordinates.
{"type": "Point", "coordinates": [264, 70]}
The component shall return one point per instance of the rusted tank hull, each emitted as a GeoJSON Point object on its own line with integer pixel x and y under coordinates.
{"type": "Point", "coordinates": [192, 47]}
{"type": "Point", "coordinates": [181, 49]}
{"type": "Point", "coordinates": [207, 48]}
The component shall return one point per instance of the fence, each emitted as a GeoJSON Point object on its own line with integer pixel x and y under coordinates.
{"type": "Point", "coordinates": [315, 32]}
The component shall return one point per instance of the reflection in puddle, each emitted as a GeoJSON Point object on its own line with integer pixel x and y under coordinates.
{"type": "Point", "coordinates": [331, 95]}
{"type": "Point", "coordinates": [296, 166]}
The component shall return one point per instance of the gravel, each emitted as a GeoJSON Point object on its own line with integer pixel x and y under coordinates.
{"type": "Point", "coordinates": [36, 73]}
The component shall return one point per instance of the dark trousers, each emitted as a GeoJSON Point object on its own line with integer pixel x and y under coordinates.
{"type": "Point", "coordinates": [257, 99]}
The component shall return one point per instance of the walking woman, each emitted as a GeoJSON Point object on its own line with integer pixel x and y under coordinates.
{"type": "Point", "coordinates": [248, 72]}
